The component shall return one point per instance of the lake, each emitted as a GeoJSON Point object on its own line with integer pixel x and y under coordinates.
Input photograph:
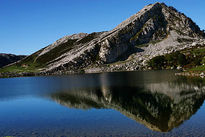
{"type": "Point", "coordinates": [152, 103]}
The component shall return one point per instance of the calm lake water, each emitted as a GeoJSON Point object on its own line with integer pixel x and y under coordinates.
{"type": "Point", "coordinates": [155, 103]}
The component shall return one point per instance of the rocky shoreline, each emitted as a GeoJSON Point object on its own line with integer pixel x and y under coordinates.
{"type": "Point", "coordinates": [134, 45]}
{"type": "Point", "coordinates": [191, 74]}
{"type": "Point", "coordinates": [59, 73]}
{"type": "Point", "coordinates": [97, 70]}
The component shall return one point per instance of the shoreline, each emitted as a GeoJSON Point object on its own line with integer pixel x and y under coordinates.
{"type": "Point", "coordinates": [200, 74]}
{"type": "Point", "coordinates": [60, 73]}
{"type": "Point", "coordinates": [191, 74]}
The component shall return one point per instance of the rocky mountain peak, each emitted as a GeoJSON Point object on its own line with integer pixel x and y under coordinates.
{"type": "Point", "coordinates": [155, 30]}
{"type": "Point", "coordinates": [152, 24]}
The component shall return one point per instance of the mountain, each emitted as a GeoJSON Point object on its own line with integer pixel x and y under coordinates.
{"type": "Point", "coordinates": [155, 30]}
{"type": "Point", "coordinates": [160, 106]}
{"type": "Point", "coordinates": [6, 59]}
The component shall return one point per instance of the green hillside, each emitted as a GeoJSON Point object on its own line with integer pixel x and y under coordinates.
{"type": "Point", "coordinates": [192, 59]}
{"type": "Point", "coordinates": [34, 62]}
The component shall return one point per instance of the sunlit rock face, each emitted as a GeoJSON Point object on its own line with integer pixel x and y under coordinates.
{"type": "Point", "coordinates": [154, 30]}
{"type": "Point", "coordinates": [160, 106]}
{"type": "Point", "coordinates": [157, 27]}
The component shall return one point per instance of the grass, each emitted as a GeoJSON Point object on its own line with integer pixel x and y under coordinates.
{"type": "Point", "coordinates": [119, 62]}
{"type": "Point", "coordinates": [155, 42]}
{"type": "Point", "coordinates": [137, 34]}
{"type": "Point", "coordinates": [198, 68]}
{"type": "Point", "coordinates": [181, 40]}
{"type": "Point", "coordinates": [56, 52]}
{"type": "Point", "coordinates": [199, 51]}
{"type": "Point", "coordinates": [26, 65]}
{"type": "Point", "coordinates": [33, 63]}
{"type": "Point", "coordinates": [142, 45]}
{"type": "Point", "coordinates": [87, 38]}
{"type": "Point", "coordinates": [18, 69]}
{"type": "Point", "coordinates": [190, 59]}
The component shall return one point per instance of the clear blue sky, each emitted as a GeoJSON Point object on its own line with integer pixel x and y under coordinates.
{"type": "Point", "coordinates": [29, 25]}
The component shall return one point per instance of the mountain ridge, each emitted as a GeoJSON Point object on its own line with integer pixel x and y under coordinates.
{"type": "Point", "coordinates": [155, 30]}
{"type": "Point", "coordinates": [6, 59]}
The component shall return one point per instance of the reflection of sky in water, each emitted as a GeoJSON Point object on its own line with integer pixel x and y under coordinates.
{"type": "Point", "coordinates": [27, 107]}
{"type": "Point", "coordinates": [39, 115]}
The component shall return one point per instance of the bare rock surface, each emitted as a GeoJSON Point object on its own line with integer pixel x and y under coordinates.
{"type": "Point", "coordinates": [155, 30]}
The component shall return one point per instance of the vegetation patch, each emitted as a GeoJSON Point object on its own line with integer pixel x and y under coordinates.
{"type": "Point", "coordinates": [142, 45]}
{"type": "Point", "coordinates": [189, 59]}
{"type": "Point", "coordinates": [181, 40]}
{"type": "Point", "coordinates": [87, 38]}
{"type": "Point", "coordinates": [56, 52]}
{"type": "Point", "coordinates": [18, 69]}
{"type": "Point", "coordinates": [33, 63]}
{"type": "Point", "coordinates": [137, 35]}
{"type": "Point", "coordinates": [198, 68]}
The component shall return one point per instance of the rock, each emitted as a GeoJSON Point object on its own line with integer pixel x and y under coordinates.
{"type": "Point", "coordinates": [202, 74]}
{"type": "Point", "coordinates": [179, 67]}
{"type": "Point", "coordinates": [194, 44]}
{"type": "Point", "coordinates": [155, 30]}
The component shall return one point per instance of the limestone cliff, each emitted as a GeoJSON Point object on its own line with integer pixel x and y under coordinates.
{"type": "Point", "coordinates": [155, 30]}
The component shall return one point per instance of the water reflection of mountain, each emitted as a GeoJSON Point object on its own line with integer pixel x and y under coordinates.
{"type": "Point", "coordinates": [160, 106]}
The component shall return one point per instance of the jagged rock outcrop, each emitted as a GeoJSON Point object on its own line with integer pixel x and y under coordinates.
{"type": "Point", "coordinates": [155, 30]}
{"type": "Point", "coordinates": [6, 59]}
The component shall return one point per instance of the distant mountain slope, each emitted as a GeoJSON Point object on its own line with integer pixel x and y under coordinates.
{"type": "Point", "coordinates": [155, 30]}
{"type": "Point", "coordinates": [6, 59]}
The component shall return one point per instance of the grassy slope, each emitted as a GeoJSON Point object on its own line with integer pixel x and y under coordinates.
{"type": "Point", "coordinates": [198, 68]}
{"type": "Point", "coordinates": [199, 54]}
{"type": "Point", "coordinates": [191, 59]}
{"type": "Point", "coordinates": [33, 63]}
{"type": "Point", "coordinates": [25, 65]}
